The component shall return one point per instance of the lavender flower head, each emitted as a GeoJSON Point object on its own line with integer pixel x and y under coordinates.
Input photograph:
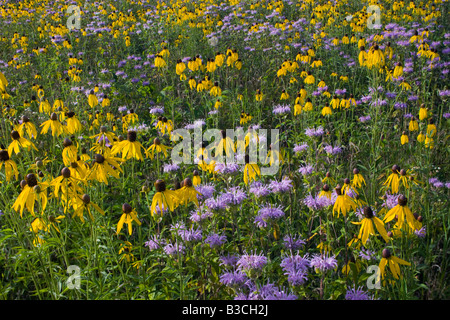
{"type": "Point", "coordinates": [323, 263]}
{"type": "Point", "coordinates": [293, 243]}
{"type": "Point", "coordinates": [357, 294]}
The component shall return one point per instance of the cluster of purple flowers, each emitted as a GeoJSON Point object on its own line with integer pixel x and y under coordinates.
{"type": "Point", "coordinates": [323, 262]}
{"type": "Point", "coordinates": [259, 189]}
{"type": "Point", "coordinates": [281, 109]}
{"type": "Point", "coordinates": [306, 169]}
{"type": "Point", "coordinates": [267, 213]}
{"type": "Point", "coordinates": [357, 294]}
{"type": "Point", "coordinates": [282, 186]}
{"type": "Point", "coordinates": [317, 202]}
{"type": "Point", "coordinates": [300, 147]}
{"type": "Point", "coordinates": [332, 150]}
{"type": "Point", "coordinates": [266, 292]}
{"type": "Point", "coordinates": [296, 268]}
{"type": "Point", "coordinates": [438, 184]}
{"type": "Point", "coordinates": [311, 132]}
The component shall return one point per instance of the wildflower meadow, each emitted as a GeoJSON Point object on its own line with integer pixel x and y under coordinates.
{"type": "Point", "coordinates": [224, 150]}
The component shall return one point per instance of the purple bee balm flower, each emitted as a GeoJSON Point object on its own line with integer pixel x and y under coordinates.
{"type": "Point", "coordinates": [216, 204]}
{"type": "Point", "coordinates": [391, 200]}
{"type": "Point", "coordinates": [258, 189]}
{"type": "Point", "coordinates": [190, 235]}
{"type": "Point", "coordinates": [391, 95]}
{"type": "Point", "coordinates": [248, 262]}
{"type": "Point", "coordinates": [284, 185]}
{"type": "Point", "coordinates": [300, 147]}
{"type": "Point", "coordinates": [323, 263]}
{"type": "Point", "coordinates": [234, 195]}
{"type": "Point", "coordinates": [306, 170]}
{"type": "Point", "coordinates": [400, 105]}
{"type": "Point", "coordinates": [157, 110]}
{"type": "Point", "coordinates": [170, 167]}
{"type": "Point", "coordinates": [233, 279]}
{"type": "Point", "coordinates": [214, 240]}
{"type": "Point", "coordinates": [296, 268]}
{"type": "Point", "coordinates": [155, 243]}
{"type": "Point", "coordinates": [366, 254]}
{"type": "Point", "coordinates": [229, 260]}
{"type": "Point", "coordinates": [293, 243]}
{"type": "Point", "coordinates": [447, 115]}
{"type": "Point", "coordinates": [267, 213]}
{"type": "Point", "coordinates": [422, 232]}
{"type": "Point", "coordinates": [365, 119]}
{"type": "Point", "coordinates": [228, 168]}
{"type": "Point", "coordinates": [357, 294]}
{"type": "Point", "coordinates": [174, 249]}
{"type": "Point", "coordinates": [200, 214]}
{"type": "Point", "coordinates": [281, 109]}
{"type": "Point", "coordinates": [206, 191]}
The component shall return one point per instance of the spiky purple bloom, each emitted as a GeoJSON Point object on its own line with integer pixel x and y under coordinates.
{"type": "Point", "coordinates": [233, 278]}
{"type": "Point", "coordinates": [155, 243]}
{"type": "Point", "coordinates": [169, 167]}
{"type": "Point", "coordinates": [174, 249]}
{"type": "Point", "coordinates": [284, 185]}
{"type": "Point", "coordinates": [300, 147]}
{"type": "Point", "coordinates": [200, 214]}
{"type": "Point", "coordinates": [267, 213]}
{"type": "Point", "coordinates": [366, 254]}
{"type": "Point", "coordinates": [258, 189]}
{"type": "Point", "coordinates": [422, 232]}
{"type": "Point", "coordinates": [323, 263]}
{"type": "Point", "coordinates": [281, 109]}
{"type": "Point", "coordinates": [293, 243]}
{"type": "Point", "coordinates": [266, 292]}
{"type": "Point", "coordinates": [357, 294]}
{"type": "Point", "coordinates": [206, 191]}
{"type": "Point", "coordinates": [229, 260]}
{"type": "Point", "coordinates": [311, 132]}
{"type": "Point", "coordinates": [215, 240]}
{"type": "Point", "coordinates": [306, 169]}
{"type": "Point", "coordinates": [248, 262]}
{"type": "Point", "coordinates": [391, 200]}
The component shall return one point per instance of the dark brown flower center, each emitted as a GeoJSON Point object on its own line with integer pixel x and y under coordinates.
{"type": "Point", "coordinates": [65, 172]}
{"type": "Point", "coordinates": [368, 213]}
{"type": "Point", "coordinates": [4, 156]}
{"type": "Point", "coordinates": [15, 135]}
{"type": "Point", "coordinates": [132, 135]}
{"type": "Point", "coordinates": [187, 182]}
{"type": "Point", "coordinates": [386, 254]}
{"type": "Point", "coordinates": [160, 185]}
{"type": "Point", "coordinates": [31, 180]}
{"type": "Point", "coordinates": [402, 201]}
{"type": "Point", "coordinates": [99, 158]}
{"type": "Point", "coordinates": [86, 198]}
{"type": "Point", "coordinates": [126, 208]}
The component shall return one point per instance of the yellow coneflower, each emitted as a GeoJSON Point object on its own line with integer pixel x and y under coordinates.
{"type": "Point", "coordinates": [358, 179]}
{"type": "Point", "coordinates": [215, 90]}
{"type": "Point", "coordinates": [224, 144]}
{"type": "Point", "coordinates": [70, 152]}
{"type": "Point", "coordinates": [325, 192]}
{"type": "Point", "coordinates": [423, 112]}
{"type": "Point", "coordinates": [274, 156]}
{"type": "Point", "coordinates": [393, 263]}
{"type": "Point", "coordinates": [18, 142]}
{"type": "Point", "coordinates": [82, 204]}
{"type": "Point", "coordinates": [309, 79]}
{"type": "Point", "coordinates": [334, 102]}
{"type": "Point", "coordinates": [10, 166]}
{"type": "Point", "coordinates": [187, 192]}
{"type": "Point", "coordinates": [164, 199]}
{"type": "Point", "coordinates": [251, 170]}
{"type": "Point", "coordinates": [431, 129]}
{"type": "Point", "coordinates": [128, 216]}
{"type": "Point", "coordinates": [104, 166]}
{"type": "Point", "coordinates": [158, 148]}
{"type": "Point", "coordinates": [219, 59]}
{"type": "Point", "coordinates": [403, 213]}
{"type": "Point", "coordinates": [343, 202]}
{"type": "Point", "coordinates": [393, 181]}
{"type": "Point", "coordinates": [92, 99]}
{"type": "Point", "coordinates": [259, 95]}
{"type": "Point", "coordinates": [73, 124]}
{"type": "Point", "coordinates": [308, 105]}
{"type": "Point", "coordinates": [159, 62]}
{"type": "Point", "coordinates": [27, 127]}
{"type": "Point", "coordinates": [297, 109]}
{"type": "Point", "coordinates": [125, 251]}
{"type": "Point", "coordinates": [421, 137]}
{"type": "Point", "coordinates": [32, 190]}
{"type": "Point", "coordinates": [284, 95]}
{"type": "Point", "coordinates": [326, 110]}
{"type": "Point", "coordinates": [328, 179]}
{"type": "Point", "coordinates": [67, 184]}
{"type": "Point", "coordinates": [404, 138]}
{"type": "Point", "coordinates": [367, 224]}
{"type": "Point", "coordinates": [196, 180]}
{"type": "Point", "coordinates": [130, 148]}
{"type": "Point", "coordinates": [53, 124]}
{"type": "Point", "coordinates": [362, 57]}
{"type": "Point", "coordinates": [106, 102]}
{"type": "Point", "coordinates": [3, 82]}
{"type": "Point", "coordinates": [413, 124]}
{"type": "Point", "coordinates": [348, 188]}
{"type": "Point", "coordinates": [164, 125]}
